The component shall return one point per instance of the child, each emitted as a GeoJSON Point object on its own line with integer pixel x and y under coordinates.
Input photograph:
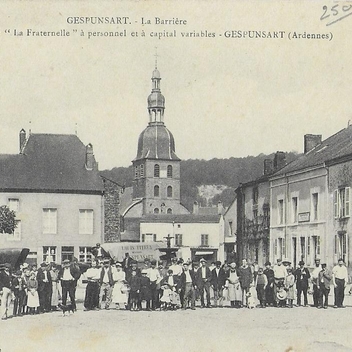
{"type": "Point", "coordinates": [289, 283]}
{"type": "Point", "coordinates": [135, 284]}
{"type": "Point", "coordinates": [19, 293]}
{"type": "Point", "coordinates": [32, 294]}
{"type": "Point", "coordinates": [260, 285]}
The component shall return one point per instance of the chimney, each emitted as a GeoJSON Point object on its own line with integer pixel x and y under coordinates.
{"type": "Point", "coordinates": [268, 166]}
{"type": "Point", "coordinates": [22, 139]}
{"type": "Point", "coordinates": [195, 208]}
{"type": "Point", "coordinates": [279, 160]}
{"type": "Point", "coordinates": [311, 141]}
{"type": "Point", "coordinates": [220, 207]}
{"type": "Point", "coordinates": [90, 162]}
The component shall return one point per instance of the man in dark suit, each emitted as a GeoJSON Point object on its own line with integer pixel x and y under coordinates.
{"type": "Point", "coordinates": [44, 288]}
{"type": "Point", "coordinates": [324, 281]}
{"type": "Point", "coordinates": [204, 277]}
{"type": "Point", "coordinates": [218, 279]}
{"type": "Point", "coordinates": [188, 285]}
{"type": "Point", "coordinates": [302, 276]}
{"type": "Point", "coordinates": [126, 262]}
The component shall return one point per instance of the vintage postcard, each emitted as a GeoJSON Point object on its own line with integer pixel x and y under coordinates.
{"type": "Point", "coordinates": [91, 86]}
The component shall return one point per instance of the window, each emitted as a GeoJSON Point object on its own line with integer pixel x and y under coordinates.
{"type": "Point", "coordinates": [341, 247]}
{"type": "Point", "coordinates": [141, 172]}
{"type": "Point", "coordinates": [86, 221]}
{"type": "Point", "coordinates": [169, 171]}
{"type": "Point", "coordinates": [49, 221]}
{"type": "Point", "coordinates": [303, 248]}
{"type": "Point", "coordinates": [67, 252]}
{"type": "Point", "coordinates": [16, 235]}
{"type": "Point", "coordinates": [156, 191]}
{"type": "Point", "coordinates": [14, 204]}
{"type": "Point", "coordinates": [308, 246]}
{"type": "Point", "coordinates": [169, 211]}
{"type": "Point", "coordinates": [149, 237]}
{"type": "Point", "coordinates": [85, 254]}
{"type": "Point", "coordinates": [255, 195]}
{"type": "Point", "coordinates": [136, 172]}
{"type": "Point", "coordinates": [294, 209]}
{"type": "Point", "coordinates": [204, 240]}
{"type": "Point", "coordinates": [178, 239]}
{"type": "Point", "coordinates": [315, 206]}
{"type": "Point", "coordinates": [316, 246]}
{"type": "Point", "coordinates": [169, 191]}
{"type": "Point", "coordinates": [49, 254]}
{"type": "Point", "coordinates": [156, 170]}
{"type": "Point", "coordinates": [156, 210]}
{"type": "Point", "coordinates": [230, 226]}
{"type": "Point", "coordinates": [342, 202]}
{"type": "Point", "coordinates": [281, 211]}
{"type": "Point", "coordinates": [255, 215]}
{"type": "Point", "coordinates": [266, 214]}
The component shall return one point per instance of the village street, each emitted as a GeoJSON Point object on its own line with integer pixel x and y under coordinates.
{"type": "Point", "coordinates": [202, 330]}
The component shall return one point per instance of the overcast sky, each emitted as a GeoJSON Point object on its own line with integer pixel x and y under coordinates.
{"type": "Point", "coordinates": [224, 97]}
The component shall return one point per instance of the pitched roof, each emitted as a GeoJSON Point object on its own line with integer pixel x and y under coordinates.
{"type": "Point", "coordinates": [336, 146]}
{"type": "Point", "coordinates": [181, 218]}
{"type": "Point", "coordinates": [49, 163]}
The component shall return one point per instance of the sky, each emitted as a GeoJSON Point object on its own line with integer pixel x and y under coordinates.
{"type": "Point", "coordinates": [225, 97]}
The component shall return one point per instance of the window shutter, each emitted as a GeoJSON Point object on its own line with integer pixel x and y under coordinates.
{"type": "Point", "coordinates": [346, 253]}
{"type": "Point", "coordinates": [143, 237]}
{"type": "Point", "coordinates": [154, 237]}
{"type": "Point", "coordinates": [347, 201]}
{"type": "Point", "coordinates": [336, 207]}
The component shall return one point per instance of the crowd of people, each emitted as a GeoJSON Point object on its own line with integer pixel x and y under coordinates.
{"type": "Point", "coordinates": [153, 286]}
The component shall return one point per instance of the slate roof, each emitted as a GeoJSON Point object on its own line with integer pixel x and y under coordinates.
{"type": "Point", "coordinates": [156, 142]}
{"type": "Point", "coordinates": [182, 218]}
{"type": "Point", "coordinates": [49, 163]}
{"type": "Point", "coordinates": [336, 146]}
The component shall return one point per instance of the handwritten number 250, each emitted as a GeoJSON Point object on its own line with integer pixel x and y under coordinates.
{"type": "Point", "coordinates": [334, 11]}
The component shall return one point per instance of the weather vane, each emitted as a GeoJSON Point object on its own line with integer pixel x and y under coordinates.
{"type": "Point", "coordinates": [156, 57]}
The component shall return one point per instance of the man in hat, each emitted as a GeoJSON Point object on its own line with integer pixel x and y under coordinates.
{"type": "Point", "coordinates": [5, 289]}
{"type": "Point", "coordinates": [302, 276]}
{"type": "Point", "coordinates": [188, 285]}
{"type": "Point", "coordinates": [106, 284]}
{"type": "Point", "coordinates": [314, 279]}
{"type": "Point", "coordinates": [246, 280]}
{"type": "Point", "coordinates": [323, 281]}
{"type": "Point", "coordinates": [339, 280]}
{"type": "Point", "coordinates": [68, 277]}
{"type": "Point", "coordinates": [155, 278]}
{"type": "Point", "coordinates": [204, 277]}
{"type": "Point", "coordinates": [44, 287]}
{"type": "Point", "coordinates": [126, 262]}
{"type": "Point", "coordinates": [218, 278]}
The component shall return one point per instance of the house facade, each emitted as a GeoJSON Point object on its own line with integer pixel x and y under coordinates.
{"type": "Point", "coordinates": [54, 187]}
{"type": "Point", "coordinates": [309, 202]}
{"type": "Point", "coordinates": [195, 236]}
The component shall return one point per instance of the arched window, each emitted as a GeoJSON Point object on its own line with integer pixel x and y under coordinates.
{"type": "Point", "coordinates": [156, 170]}
{"type": "Point", "coordinates": [156, 211]}
{"type": "Point", "coordinates": [156, 191]}
{"type": "Point", "coordinates": [136, 172]}
{"type": "Point", "coordinates": [169, 171]}
{"type": "Point", "coordinates": [169, 191]}
{"type": "Point", "coordinates": [169, 211]}
{"type": "Point", "coordinates": [141, 172]}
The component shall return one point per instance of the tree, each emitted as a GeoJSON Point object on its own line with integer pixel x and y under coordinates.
{"type": "Point", "coordinates": [7, 220]}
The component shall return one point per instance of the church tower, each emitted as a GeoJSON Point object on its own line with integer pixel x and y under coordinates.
{"type": "Point", "coordinates": [157, 167]}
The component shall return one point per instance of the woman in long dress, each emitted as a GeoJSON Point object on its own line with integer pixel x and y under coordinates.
{"type": "Point", "coordinates": [234, 286]}
{"type": "Point", "coordinates": [119, 294]}
{"type": "Point", "coordinates": [32, 294]}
